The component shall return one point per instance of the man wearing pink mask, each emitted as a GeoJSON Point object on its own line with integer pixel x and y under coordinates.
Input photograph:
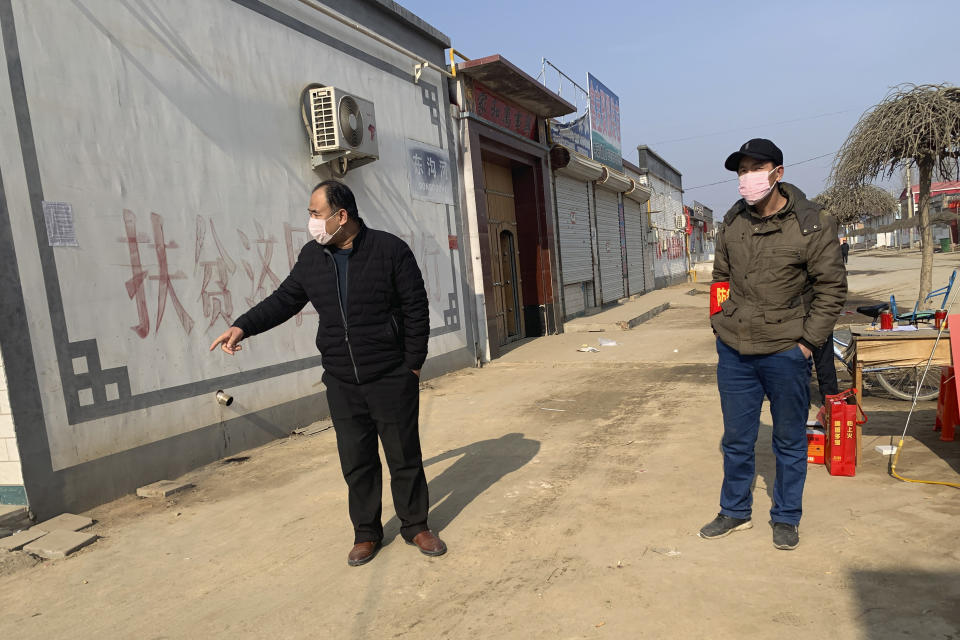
{"type": "Point", "coordinates": [781, 257]}
{"type": "Point", "coordinates": [373, 330]}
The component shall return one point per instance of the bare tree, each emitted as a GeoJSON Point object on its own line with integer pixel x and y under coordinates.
{"type": "Point", "coordinates": [852, 203]}
{"type": "Point", "coordinates": [914, 123]}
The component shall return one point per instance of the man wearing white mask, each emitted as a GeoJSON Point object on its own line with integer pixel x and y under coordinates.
{"type": "Point", "coordinates": [374, 324]}
{"type": "Point", "coordinates": [787, 285]}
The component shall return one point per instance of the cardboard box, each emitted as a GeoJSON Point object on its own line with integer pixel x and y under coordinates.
{"type": "Point", "coordinates": [816, 441]}
{"type": "Point", "coordinates": [815, 453]}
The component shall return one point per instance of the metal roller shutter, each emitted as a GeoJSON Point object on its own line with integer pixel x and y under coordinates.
{"type": "Point", "coordinates": [635, 221]}
{"type": "Point", "coordinates": [608, 234]}
{"type": "Point", "coordinates": [573, 300]}
{"type": "Point", "coordinates": [573, 226]}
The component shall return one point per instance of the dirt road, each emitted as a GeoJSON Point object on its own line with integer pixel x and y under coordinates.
{"type": "Point", "coordinates": [569, 487]}
{"type": "Point", "coordinates": [879, 273]}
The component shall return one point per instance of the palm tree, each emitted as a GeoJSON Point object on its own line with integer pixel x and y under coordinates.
{"type": "Point", "coordinates": [913, 124]}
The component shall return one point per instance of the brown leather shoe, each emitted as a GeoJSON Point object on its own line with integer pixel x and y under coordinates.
{"type": "Point", "coordinates": [362, 553]}
{"type": "Point", "coordinates": [428, 543]}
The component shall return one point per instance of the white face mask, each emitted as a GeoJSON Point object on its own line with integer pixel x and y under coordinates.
{"type": "Point", "coordinates": [318, 229]}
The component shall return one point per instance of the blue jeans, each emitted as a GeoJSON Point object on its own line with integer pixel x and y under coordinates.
{"type": "Point", "coordinates": [743, 382]}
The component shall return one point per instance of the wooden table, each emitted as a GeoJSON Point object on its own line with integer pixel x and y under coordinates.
{"type": "Point", "coordinates": [874, 348]}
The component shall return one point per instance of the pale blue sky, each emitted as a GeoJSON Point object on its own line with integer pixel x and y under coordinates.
{"type": "Point", "coordinates": [696, 68]}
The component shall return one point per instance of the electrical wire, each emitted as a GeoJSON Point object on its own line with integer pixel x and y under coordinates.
{"type": "Point", "coordinates": [916, 393]}
{"type": "Point", "coordinates": [792, 164]}
{"type": "Point", "coordinates": [751, 128]}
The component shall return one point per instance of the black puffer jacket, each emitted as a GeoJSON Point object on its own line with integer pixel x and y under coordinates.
{"type": "Point", "coordinates": [387, 321]}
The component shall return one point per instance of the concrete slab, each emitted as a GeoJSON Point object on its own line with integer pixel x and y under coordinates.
{"type": "Point", "coordinates": [5, 532]}
{"type": "Point", "coordinates": [163, 488]}
{"type": "Point", "coordinates": [630, 323]}
{"type": "Point", "coordinates": [66, 522]}
{"type": "Point", "coordinates": [313, 429]}
{"type": "Point", "coordinates": [59, 544]}
{"type": "Point", "coordinates": [628, 319]}
{"type": "Point", "coordinates": [631, 311]}
{"type": "Point", "coordinates": [11, 513]}
{"type": "Point", "coordinates": [18, 540]}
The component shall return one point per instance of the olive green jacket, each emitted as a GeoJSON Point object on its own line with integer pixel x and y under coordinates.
{"type": "Point", "coordinates": [787, 280]}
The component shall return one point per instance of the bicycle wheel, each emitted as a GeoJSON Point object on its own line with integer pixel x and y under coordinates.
{"type": "Point", "coordinates": [901, 383]}
{"type": "Point", "coordinates": [842, 337]}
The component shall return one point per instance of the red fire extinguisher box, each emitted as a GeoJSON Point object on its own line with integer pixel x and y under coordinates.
{"type": "Point", "coordinates": [842, 447]}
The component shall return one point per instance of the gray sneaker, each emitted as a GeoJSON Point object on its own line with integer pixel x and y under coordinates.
{"type": "Point", "coordinates": [723, 526]}
{"type": "Point", "coordinates": [785, 536]}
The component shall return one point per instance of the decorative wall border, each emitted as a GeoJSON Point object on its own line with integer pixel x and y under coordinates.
{"type": "Point", "coordinates": [91, 392]}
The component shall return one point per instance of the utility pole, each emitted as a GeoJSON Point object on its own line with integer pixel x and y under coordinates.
{"type": "Point", "coordinates": [908, 178]}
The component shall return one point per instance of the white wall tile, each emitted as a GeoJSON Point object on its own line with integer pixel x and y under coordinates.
{"type": "Point", "coordinates": [6, 426]}
{"type": "Point", "coordinates": [12, 452]}
{"type": "Point", "coordinates": [10, 473]}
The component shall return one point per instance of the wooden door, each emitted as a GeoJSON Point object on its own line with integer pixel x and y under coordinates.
{"type": "Point", "coordinates": [505, 312]}
{"type": "Point", "coordinates": [510, 275]}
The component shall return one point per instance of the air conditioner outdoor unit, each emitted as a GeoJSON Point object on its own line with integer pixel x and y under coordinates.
{"type": "Point", "coordinates": [341, 128]}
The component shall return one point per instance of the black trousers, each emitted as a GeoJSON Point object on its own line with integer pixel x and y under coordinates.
{"type": "Point", "coordinates": [826, 369]}
{"type": "Point", "coordinates": [388, 408]}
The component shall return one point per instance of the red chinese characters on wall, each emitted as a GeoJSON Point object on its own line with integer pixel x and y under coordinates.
{"type": "Point", "coordinates": [135, 285]}
{"type": "Point", "coordinates": [492, 107]}
{"type": "Point", "coordinates": [294, 238]}
{"type": "Point", "coordinates": [215, 296]}
{"type": "Point", "coordinates": [670, 248]}
{"type": "Point", "coordinates": [227, 277]}
{"type": "Point", "coordinates": [213, 267]}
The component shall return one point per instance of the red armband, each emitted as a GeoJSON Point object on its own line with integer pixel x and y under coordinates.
{"type": "Point", "coordinates": [719, 292]}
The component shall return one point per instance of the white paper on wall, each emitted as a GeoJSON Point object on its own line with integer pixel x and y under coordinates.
{"type": "Point", "coordinates": [59, 219]}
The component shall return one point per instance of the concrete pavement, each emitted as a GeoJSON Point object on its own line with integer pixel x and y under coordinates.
{"type": "Point", "coordinates": [569, 487]}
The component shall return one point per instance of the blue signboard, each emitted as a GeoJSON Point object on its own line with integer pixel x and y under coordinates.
{"type": "Point", "coordinates": [605, 124]}
{"type": "Point", "coordinates": [574, 135]}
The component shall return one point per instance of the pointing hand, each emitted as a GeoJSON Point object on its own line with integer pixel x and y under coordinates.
{"type": "Point", "coordinates": [230, 341]}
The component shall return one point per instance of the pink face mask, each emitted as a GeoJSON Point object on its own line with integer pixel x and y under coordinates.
{"type": "Point", "coordinates": [755, 185]}
{"type": "Point", "coordinates": [318, 229]}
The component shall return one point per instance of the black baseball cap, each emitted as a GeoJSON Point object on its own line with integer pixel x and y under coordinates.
{"type": "Point", "coordinates": [759, 149]}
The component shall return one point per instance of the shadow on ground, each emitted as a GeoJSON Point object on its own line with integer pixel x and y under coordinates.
{"type": "Point", "coordinates": [765, 463]}
{"type": "Point", "coordinates": [918, 459]}
{"type": "Point", "coordinates": [908, 603]}
{"type": "Point", "coordinates": [480, 466]}
{"type": "Point", "coordinates": [888, 427]}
